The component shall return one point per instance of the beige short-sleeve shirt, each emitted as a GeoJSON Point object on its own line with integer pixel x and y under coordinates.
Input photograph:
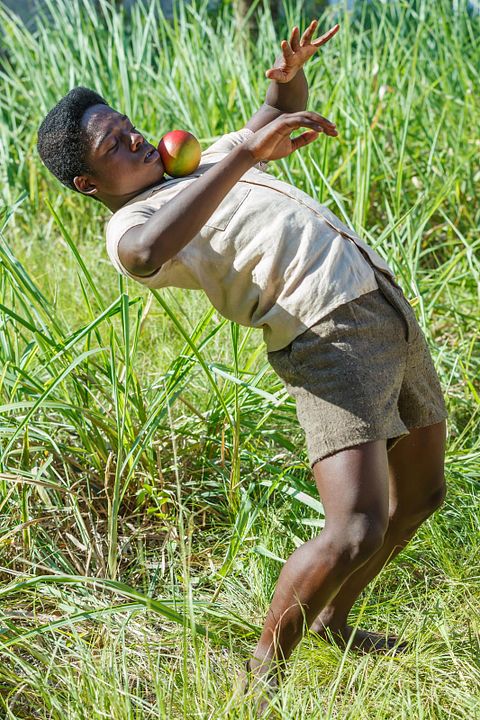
{"type": "Point", "coordinates": [270, 256]}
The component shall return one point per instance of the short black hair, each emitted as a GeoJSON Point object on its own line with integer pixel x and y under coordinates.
{"type": "Point", "coordinates": [62, 143]}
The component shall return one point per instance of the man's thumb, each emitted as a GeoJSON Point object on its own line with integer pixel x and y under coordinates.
{"type": "Point", "coordinates": [304, 139]}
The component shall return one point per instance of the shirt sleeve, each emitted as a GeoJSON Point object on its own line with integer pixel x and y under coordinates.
{"type": "Point", "coordinates": [123, 220]}
{"type": "Point", "coordinates": [229, 141]}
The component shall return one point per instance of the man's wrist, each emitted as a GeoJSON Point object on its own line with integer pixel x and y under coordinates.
{"type": "Point", "coordinates": [291, 96]}
{"type": "Point", "coordinates": [246, 155]}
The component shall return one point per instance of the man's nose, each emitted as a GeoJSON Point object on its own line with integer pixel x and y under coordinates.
{"type": "Point", "coordinates": [136, 140]}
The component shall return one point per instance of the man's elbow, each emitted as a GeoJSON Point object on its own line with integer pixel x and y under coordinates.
{"type": "Point", "coordinates": [135, 254]}
{"type": "Point", "coordinates": [143, 269]}
{"type": "Point", "coordinates": [146, 263]}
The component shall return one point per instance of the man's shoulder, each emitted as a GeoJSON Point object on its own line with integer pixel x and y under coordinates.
{"type": "Point", "coordinates": [221, 147]}
{"type": "Point", "coordinates": [143, 205]}
{"type": "Point", "coordinates": [135, 212]}
{"type": "Point", "coordinates": [228, 141]}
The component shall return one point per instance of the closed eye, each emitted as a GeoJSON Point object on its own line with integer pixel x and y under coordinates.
{"type": "Point", "coordinates": [114, 147]}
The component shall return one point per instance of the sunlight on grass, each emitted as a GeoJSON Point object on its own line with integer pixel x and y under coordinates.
{"type": "Point", "coordinates": [153, 477]}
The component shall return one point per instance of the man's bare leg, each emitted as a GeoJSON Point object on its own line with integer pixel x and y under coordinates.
{"type": "Point", "coordinates": [353, 485]}
{"type": "Point", "coordinates": [416, 490]}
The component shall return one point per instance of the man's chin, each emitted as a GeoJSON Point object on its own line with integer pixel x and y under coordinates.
{"type": "Point", "coordinates": [148, 182]}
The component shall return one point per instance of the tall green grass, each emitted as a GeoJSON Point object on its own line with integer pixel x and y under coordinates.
{"type": "Point", "coordinates": [152, 474]}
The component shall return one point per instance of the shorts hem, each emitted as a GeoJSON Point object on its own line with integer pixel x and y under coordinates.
{"type": "Point", "coordinates": [360, 441]}
{"type": "Point", "coordinates": [432, 421]}
{"type": "Point", "coordinates": [348, 444]}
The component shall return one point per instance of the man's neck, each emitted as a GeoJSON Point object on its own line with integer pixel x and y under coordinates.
{"type": "Point", "coordinates": [115, 202]}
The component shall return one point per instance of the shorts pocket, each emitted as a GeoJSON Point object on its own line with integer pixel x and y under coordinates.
{"type": "Point", "coordinates": [229, 206]}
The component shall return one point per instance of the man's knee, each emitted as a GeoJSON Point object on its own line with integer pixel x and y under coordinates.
{"type": "Point", "coordinates": [437, 497]}
{"type": "Point", "coordinates": [356, 542]}
{"type": "Point", "coordinates": [405, 517]}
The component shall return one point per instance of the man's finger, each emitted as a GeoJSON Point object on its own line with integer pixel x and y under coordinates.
{"type": "Point", "coordinates": [276, 74]}
{"type": "Point", "coordinates": [286, 49]}
{"type": "Point", "coordinates": [309, 117]}
{"type": "Point", "coordinates": [325, 123]}
{"type": "Point", "coordinates": [326, 37]}
{"type": "Point", "coordinates": [294, 39]}
{"type": "Point", "coordinates": [308, 33]}
{"type": "Point", "coordinates": [304, 139]}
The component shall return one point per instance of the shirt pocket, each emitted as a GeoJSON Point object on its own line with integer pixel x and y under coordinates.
{"type": "Point", "coordinates": [229, 206]}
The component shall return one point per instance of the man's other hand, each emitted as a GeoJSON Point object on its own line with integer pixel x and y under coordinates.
{"type": "Point", "coordinates": [297, 52]}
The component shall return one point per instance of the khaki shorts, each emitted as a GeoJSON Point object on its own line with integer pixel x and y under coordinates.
{"type": "Point", "coordinates": [364, 372]}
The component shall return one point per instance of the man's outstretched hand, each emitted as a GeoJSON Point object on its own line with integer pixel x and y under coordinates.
{"type": "Point", "coordinates": [297, 52]}
{"type": "Point", "coordinates": [273, 141]}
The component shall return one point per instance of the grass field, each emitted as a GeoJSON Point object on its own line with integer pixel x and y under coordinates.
{"type": "Point", "coordinates": [153, 477]}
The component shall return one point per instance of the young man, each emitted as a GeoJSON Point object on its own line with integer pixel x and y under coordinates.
{"type": "Point", "coordinates": [338, 329]}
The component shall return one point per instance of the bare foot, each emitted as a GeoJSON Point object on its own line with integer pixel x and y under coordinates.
{"type": "Point", "coordinates": [363, 640]}
{"type": "Point", "coordinates": [260, 685]}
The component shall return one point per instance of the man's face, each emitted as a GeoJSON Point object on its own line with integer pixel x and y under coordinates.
{"type": "Point", "coordinates": [123, 163]}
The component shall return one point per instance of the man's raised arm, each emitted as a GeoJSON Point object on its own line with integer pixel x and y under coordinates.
{"type": "Point", "coordinates": [288, 90]}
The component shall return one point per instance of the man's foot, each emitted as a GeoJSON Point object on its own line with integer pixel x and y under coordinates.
{"type": "Point", "coordinates": [363, 640]}
{"type": "Point", "coordinates": [259, 685]}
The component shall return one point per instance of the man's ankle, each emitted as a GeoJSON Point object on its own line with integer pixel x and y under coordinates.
{"type": "Point", "coordinates": [329, 620]}
{"type": "Point", "coordinates": [266, 666]}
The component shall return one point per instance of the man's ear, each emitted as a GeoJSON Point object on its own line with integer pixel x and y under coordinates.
{"type": "Point", "coordinates": [84, 185]}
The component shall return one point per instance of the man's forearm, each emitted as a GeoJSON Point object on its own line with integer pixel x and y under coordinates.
{"type": "Point", "coordinates": [288, 97]}
{"type": "Point", "coordinates": [178, 221]}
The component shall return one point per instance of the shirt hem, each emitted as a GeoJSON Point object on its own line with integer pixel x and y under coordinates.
{"type": "Point", "coordinates": [311, 320]}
